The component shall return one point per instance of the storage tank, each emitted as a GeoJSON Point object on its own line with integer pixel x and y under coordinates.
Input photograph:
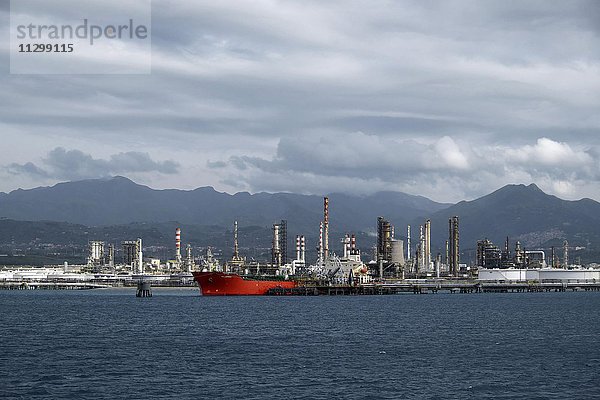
{"type": "Point", "coordinates": [511, 274]}
{"type": "Point", "coordinates": [569, 274]}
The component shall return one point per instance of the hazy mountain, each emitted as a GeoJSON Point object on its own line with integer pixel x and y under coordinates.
{"type": "Point", "coordinates": [120, 201]}
{"type": "Point", "coordinates": [523, 213]}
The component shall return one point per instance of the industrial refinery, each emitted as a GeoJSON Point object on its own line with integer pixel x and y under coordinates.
{"type": "Point", "coordinates": [394, 261]}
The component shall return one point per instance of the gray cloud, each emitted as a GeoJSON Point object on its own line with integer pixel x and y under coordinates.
{"type": "Point", "coordinates": [456, 169]}
{"type": "Point", "coordinates": [28, 168]}
{"type": "Point", "coordinates": [75, 164]}
{"type": "Point", "coordinates": [445, 98]}
{"type": "Point", "coordinates": [216, 164]}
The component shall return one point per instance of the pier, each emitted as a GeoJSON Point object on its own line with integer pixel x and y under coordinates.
{"type": "Point", "coordinates": [88, 281]}
{"type": "Point", "coordinates": [459, 287]}
{"type": "Point", "coordinates": [20, 285]}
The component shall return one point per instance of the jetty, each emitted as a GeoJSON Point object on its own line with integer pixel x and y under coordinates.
{"type": "Point", "coordinates": [22, 285]}
{"type": "Point", "coordinates": [429, 287]}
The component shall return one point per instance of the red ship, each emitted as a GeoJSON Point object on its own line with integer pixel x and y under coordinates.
{"type": "Point", "coordinates": [229, 284]}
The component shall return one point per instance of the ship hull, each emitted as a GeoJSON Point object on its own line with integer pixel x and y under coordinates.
{"type": "Point", "coordinates": [224, 284]}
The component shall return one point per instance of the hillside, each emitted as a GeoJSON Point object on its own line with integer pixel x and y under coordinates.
{"type": "Point", "coordinates": [523, 213]}
{"type": "Point", "coordinates": [119, 209]}
{"type": "Point", "coordinates": [117, 201]}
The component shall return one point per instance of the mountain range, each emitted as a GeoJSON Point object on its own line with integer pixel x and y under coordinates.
{"type": "Point", "coordinates": [521, 212]}
{"type": "Point", "coordinates": [524, 213]}
{"type": "Point", "coordinates": [118, 200]}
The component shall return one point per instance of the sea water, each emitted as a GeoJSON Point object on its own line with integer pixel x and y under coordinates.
{"type": "Point", "coordinates": [177, 344]}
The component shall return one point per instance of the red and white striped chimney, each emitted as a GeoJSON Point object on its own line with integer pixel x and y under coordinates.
{"type": "Point", "coordinates": [326, 227]}
{"type": "Point", "coordinates": [178, 244]}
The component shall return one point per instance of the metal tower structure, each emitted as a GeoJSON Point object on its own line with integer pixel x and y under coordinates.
{"type": "Point", "coordinates": [453, 240]}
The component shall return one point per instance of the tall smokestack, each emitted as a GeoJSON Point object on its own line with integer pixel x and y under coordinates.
{"type": "Point", "coordinates": [422, 247]}
{"type": "Point", "coordinates": [276, 252]}
{"type": "Point", "coordinates": [189, 260]}
{"type": "Point", "coordinates": [565, 254]}
{"type": "Point", "coordinates": [428, 245]}
{"type": "Point", "coordinates": [408, 257]}
{"type": "Point", "coordinates": [302, 249]}
{"type": "Point", "coordinates": [140, 257]}
{"type": "Point", "coordinates": [111, 255]}
{"type": "Point", "coordinates": [321, 241]}
{"type": "Point", "coordinates": [449, 249]}
{"type": "Point", "coordinates": [235, 241]}
{"type": "Point", "coordinates": [326, 227]}
{"type": "Point", "coordinates": [178, 245]}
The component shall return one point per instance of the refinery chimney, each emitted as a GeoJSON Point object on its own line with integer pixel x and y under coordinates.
{"type": "Point", "coordinates": [320, 249]}
{"type": "Point", "coordinates": [408, 257]}
{"type": "Point", "coordinates": [178, 246]}
{"type": "Point", "coordinates": [235, 241]}
{"type": "Point", "coordinates": [111, 256]}
{"type": "Point", "coordinates": [275, 251]}
{"type": "Point", "coordinates": [427, 245]}
{"type": "Point", "coordinates": [140, 258]}
{"type": "Point", "coordinates": [326, 227]}
{"type": "Point", "coordinates": [422, 248]}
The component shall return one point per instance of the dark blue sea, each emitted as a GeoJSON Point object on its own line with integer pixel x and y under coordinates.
{"type": "Point", "coordinates": [177, 344]}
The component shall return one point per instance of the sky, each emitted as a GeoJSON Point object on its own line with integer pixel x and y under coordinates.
{"type": "Point", "coordinates": [446, 99]}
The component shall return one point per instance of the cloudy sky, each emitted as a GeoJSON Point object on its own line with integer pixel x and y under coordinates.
{"type": "Point", "coordinates": [447, 99]}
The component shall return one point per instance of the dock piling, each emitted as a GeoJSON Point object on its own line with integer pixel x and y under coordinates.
{"type": "Point", "coordinates": [144, 289]}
